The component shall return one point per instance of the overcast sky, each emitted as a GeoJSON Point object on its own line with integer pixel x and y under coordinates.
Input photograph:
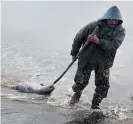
{"type": "Point", "coordinates": [55, 21]}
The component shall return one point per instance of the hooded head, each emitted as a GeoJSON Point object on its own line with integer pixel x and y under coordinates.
{"type": "Point", "coordinates": [112, 14]}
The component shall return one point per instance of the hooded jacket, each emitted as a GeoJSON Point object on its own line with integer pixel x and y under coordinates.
{"type": "Point", "coordinates": [110, 40]}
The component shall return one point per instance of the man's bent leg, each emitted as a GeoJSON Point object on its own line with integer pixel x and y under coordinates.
{"type": "Point", "coordinates": [102, 86]}
{"type": "Point", "coordinates": [81, 80]}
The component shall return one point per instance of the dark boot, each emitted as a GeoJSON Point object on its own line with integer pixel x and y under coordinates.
{"type": "Point", "coordinates": [75, 98]}
{"type": "Point", "coordinates": [95, 102]}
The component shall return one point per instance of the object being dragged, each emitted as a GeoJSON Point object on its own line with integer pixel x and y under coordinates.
{"type": "Point", "coordinates": [34, 88]}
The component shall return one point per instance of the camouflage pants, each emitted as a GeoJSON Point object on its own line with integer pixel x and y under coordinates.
{"type": "Point", "coordinates": [101, 81]}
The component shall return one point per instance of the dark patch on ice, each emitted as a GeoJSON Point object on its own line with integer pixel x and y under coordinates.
{"type": "Point", "coordinates": [91, 118]}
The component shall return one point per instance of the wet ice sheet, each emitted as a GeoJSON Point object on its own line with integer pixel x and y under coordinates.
{"type": "Point", "coordinates": [23, 113]}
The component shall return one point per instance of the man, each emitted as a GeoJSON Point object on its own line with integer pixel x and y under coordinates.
{"type": "Point", "coordinates": [107, 40]}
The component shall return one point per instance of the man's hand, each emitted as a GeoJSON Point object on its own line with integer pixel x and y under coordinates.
{"type": "Point", "coordinates": [93, 39]}
{"type": "Point", "coordinates": [74, 58]}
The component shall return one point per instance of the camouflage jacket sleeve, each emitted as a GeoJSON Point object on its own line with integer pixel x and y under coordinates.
{"type": "Point", "coordinates": [114, 44]}
{"type": "Point", "coordinates": [81, 37]}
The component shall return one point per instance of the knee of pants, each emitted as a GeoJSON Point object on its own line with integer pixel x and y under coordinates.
{"type": "Point", "coordinates": [80, 83]}
{"type": "Point", "coordinates": [78, 87]}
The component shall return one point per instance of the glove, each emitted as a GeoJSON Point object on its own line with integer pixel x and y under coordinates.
{"type": "Point", "coordinates": [93, 39]}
